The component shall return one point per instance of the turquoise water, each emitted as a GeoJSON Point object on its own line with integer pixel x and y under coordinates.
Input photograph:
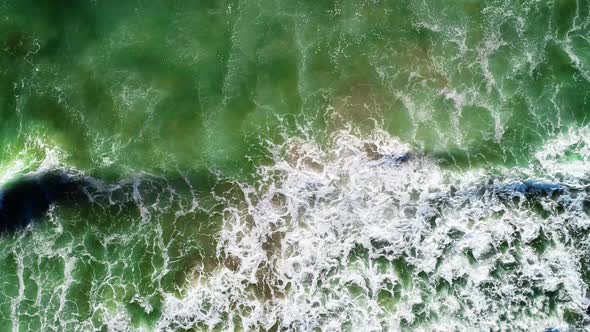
{"type": "Point", "coordinates": [298, 165]}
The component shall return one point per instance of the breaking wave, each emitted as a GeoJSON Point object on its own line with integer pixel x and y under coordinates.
{"type": "Point", "coordinates": [366, 234]}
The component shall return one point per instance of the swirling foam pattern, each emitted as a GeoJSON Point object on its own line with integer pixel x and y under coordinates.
{"type": "Point", "coordinates": [300, 165]}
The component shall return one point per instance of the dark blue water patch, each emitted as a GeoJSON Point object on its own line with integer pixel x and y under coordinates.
{"type": "Point", "coordinates": [392, 159]}
{"type": "Point", "coordinates": [533, 192]}
{"type": "Point", "coordinates": [373, 154]}
{"type": "Point", "coordinates": [531, 189]}
{"type": "Point", "coordinates": [401, 158]}
{"type": "Point", "coordinates": [30, 197]}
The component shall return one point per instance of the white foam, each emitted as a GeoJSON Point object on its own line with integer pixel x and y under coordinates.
{"type": "Point", "coordinates": [327, 231]}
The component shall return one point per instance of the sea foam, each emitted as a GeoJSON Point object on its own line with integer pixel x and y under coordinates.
{"type": "Point", "coordinates": [351, 236]}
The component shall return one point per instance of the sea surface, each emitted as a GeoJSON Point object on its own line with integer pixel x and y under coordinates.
{"type": "Point", "coordinates": [294, 165]}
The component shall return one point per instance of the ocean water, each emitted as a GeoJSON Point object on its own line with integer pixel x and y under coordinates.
{"type": "Point", "coordinates": [295, 165]}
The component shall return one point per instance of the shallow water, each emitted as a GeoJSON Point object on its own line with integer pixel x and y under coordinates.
{"type": "Point", "coordinates": [297, 165]}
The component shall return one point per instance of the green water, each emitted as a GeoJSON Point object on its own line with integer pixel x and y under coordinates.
{"type": "Point", "coordinates": [188, 93]}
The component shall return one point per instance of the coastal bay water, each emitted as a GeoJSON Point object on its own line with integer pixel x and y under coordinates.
{"type": "Point", "coordinates": [300, 165]}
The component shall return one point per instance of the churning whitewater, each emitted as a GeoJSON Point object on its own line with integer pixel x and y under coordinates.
{"type": "Point", "coordinates": [367, 235]}
{"type": "Point", "coordinates": [295, 165]}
